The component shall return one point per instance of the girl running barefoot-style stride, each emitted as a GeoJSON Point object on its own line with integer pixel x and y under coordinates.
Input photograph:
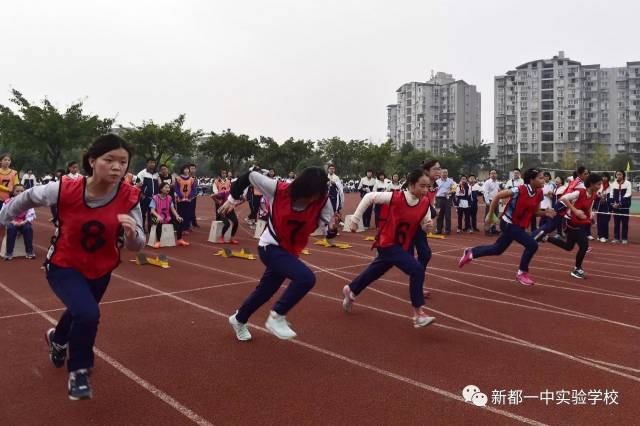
{"type": "Point", "coordinates": [94, 214]}
{"type": "Point", "coordinates": [523, 203]}
{"type": "Point", "coordinates": [408, 213]}
{"type": "Point", "coordinates": [297, 209]}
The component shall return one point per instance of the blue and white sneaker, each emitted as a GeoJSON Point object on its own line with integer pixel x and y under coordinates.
{"type": "Point", "coordinates": [57, 353]}
{"type": "Point", "coordinates": [79, 387]}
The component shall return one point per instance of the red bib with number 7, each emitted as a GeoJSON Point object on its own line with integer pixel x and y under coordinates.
{"type": "Point", "coordinates": [88, 239]}
{"type": "Point", "coordinates": [402, 221]}
{"type": "Point", "coordinates": [291, 228]}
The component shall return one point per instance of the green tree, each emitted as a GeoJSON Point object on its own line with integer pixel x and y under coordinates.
{"type": "Point", "coordinates": [292, 153]}
{"type": "Point", "coordinates": [600, 158]}
{"type": "Point", "coordinates": [163, 142]}
{"type": "Point", "coordinates": [620, 161]}
{"type": "Point", "coordinates": [473, 158]}
{"type": "Point", "coordinates": [379, 158]}
{"type": "Point", "coordinates": [44, 135]}
{"type": "Point", "coordinates": [268, 153]}
{"type": "Point", "coordinates": [569, 160]}
{"type": "Point", "coordinates": [233, 149]}
{"type": "Point", "coordinates": [408, 158]}
{"type": "Point", "coordinates": [341, 154]}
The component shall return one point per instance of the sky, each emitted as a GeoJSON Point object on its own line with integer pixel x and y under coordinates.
{"type": "Point", "coordinates": [289, 68]}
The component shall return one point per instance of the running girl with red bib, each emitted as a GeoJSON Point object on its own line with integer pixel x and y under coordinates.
{"type": "Point", "coordinates": [523, 204]}
{"type": "Point", "coordinates": [297, 210]}
{"type": "Point", "coordinates": [408, 213]}
{"type": "Point", "coordinates": [94, 213]}
{"type": "Point", "coordinates": [579, 217]}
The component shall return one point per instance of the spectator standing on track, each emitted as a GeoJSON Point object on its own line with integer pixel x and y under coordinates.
{"type": "Point", "coordinates": [490, 189]}
{"type": "Point", "coordinates": [193, 174]}
{"type": "Point", "coordinates": [408, 213]}
{"type": "Point", "coordinates": [185, 190]}
{"type": "Point", "coordinates": [620, 207]}
{"type": "Point", "coordinates": [28, 179]}
{"type": "Point", "coordinates": [297, 210]}
{"type": "Point", "coordinates": [8, 177]}
{"type": "Point", "coordinates": [548, 191]}
{"type": "Point", "coordinates": [523, 202]}
{"type": "Point", "coordinates": [73, 171]}
{"type": "Point", "coordinates": [476, 191]}
{"type": "Point", "coordinates": [365, 186]}
{"type": "Point", "coordinates": [93, 211]}
{"type": "Point", "coordinates": [379, 186]}
{"type": "Point", "coordinates": [147, 182]}
{"type": "Point", "coordinates": [443, 202]}
{"type": "Point", "coordinates": [336, 189]}
{"type": "Point", "coordinates": [603, 208]}
{"type": "Point", "coordinates": [395, 184]}
{"type": "Point", "coordinates": [463, 196]}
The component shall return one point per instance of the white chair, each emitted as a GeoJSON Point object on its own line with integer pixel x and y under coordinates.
{"type": "Point", "coordinates": [167, 239]}
{"type": "Point", "coordinates": [347, 224]}
{"type": "Point", "coordinates": [18, 248]}
{"type": "Point", "coordinates": [216, 231]}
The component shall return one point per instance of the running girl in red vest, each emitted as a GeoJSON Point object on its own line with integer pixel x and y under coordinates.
{"type": "Point", "coordinates": [185, 192]}
{"type": "Point", "coordinates": [523, 204]}
{"type": "Point", "coordinates": [579, 175]}
{"type": "Point", "coordinates": [94, 213]}
{"type": "Point", "coordinates": [579, 217]}
{"type": "Point", "coordinates": [297, 209]}
{"type": "Point", "coordinates": [163, 213]}
{"type": "Point", "coordinates": [408, 213]}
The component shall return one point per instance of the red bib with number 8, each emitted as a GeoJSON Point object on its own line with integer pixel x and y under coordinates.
{"type": "Point", "coordinates": [87, 238]}
{"type": "Point", "coordinates": [289, 227]}
{"type": "Point", "coordinates": [402, 221]}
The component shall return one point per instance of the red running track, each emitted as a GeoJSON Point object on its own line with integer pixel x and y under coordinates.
{"type": "Point", "coordinates": [168, 356]}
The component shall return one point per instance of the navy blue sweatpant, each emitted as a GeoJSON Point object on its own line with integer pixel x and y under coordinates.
{"type": "Point", "coordinates": [510, 233]}
{"type": "Point", "coordinates": [281, 265]}
{"type": "Point", "coordinates": [387, 258]}
{"type": "Point", "coordinates": [79, 322]}
{"type": "Point", "coordinates": [421, 245]}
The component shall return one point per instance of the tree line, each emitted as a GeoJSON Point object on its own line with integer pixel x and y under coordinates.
{"type": "Point", "coordinates": [42, 137]}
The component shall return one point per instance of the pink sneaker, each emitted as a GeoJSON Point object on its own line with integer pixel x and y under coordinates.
{"type": "Point", "coordinates": [524, 278]}
{"type": "Point", "coordinates": [348, 301]}
{"type": "Point", "coordinates": [467, 257]}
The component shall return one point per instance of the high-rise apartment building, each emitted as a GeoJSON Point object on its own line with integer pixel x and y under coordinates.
{"type": "Point", "coordinates": [555, 106]}
{"type": "Point", "coordinates": [435, 115]}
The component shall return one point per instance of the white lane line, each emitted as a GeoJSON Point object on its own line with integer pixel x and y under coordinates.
{"type": "Point", "coordinates": [490, 330]}
{"type": "Point", "coordinates": [168, 399]}
{"type": "Point", "coordinates": [344, 358]}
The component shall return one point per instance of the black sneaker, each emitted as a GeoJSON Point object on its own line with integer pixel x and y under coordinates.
{"type": "Point", "coordinates": [578, 273]}
{"type": "Point", "coordinates": [79, 387]}
{"type": "Point", "coordinates": [57, 353]}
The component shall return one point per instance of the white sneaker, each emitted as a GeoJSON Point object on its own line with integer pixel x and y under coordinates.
{"type": "Point", "coordinates": [422, 320]}
{"type": "Point", "coordinates": [590, 237]}
{"type": "Point", "coordinates": [347, 302]}
{"type": "Point", "coordinates": [625, 242]}
{"type": "Point", "coordinates": [242, 331]}
{"type": "Point", "coordinates": [278, 325]}
{"type": "Point", "coordinates": [602, 240]}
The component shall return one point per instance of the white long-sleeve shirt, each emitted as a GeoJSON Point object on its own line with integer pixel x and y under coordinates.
{"type": "Point", "coordinates": [385, 198]}
{"type": "Point", "coordinates": [47, 195]}
{"type": "Point", "coordinates": [489, 189]}
{"type": "Point", "coordinates": [268, 187]}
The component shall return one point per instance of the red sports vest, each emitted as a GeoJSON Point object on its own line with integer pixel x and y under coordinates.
{"type": "Point", "coordinates": [526, 206]}
{"type": "Point", "coordinates": [185, 185]}
{"type": "Point", "coordinates": [572, 185]}
{"type": "Point", "coordinates": [290, 228]}
{"type": "Point", "coordinates": [87, 238]}
{"type": "Point", "coordinates": [583, 203]}
{"type": "Point", "coordinates": [223, 185]}
{"type": "Point", "coordinates": [402, 221]}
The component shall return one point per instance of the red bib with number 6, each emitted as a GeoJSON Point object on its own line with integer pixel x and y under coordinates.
{"type": "Point", "coordinates": [291, 228]}
{"type": "Point", "coordinates": [402, 221]}
{"type": "Point", "coordinates": [87, 239]}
